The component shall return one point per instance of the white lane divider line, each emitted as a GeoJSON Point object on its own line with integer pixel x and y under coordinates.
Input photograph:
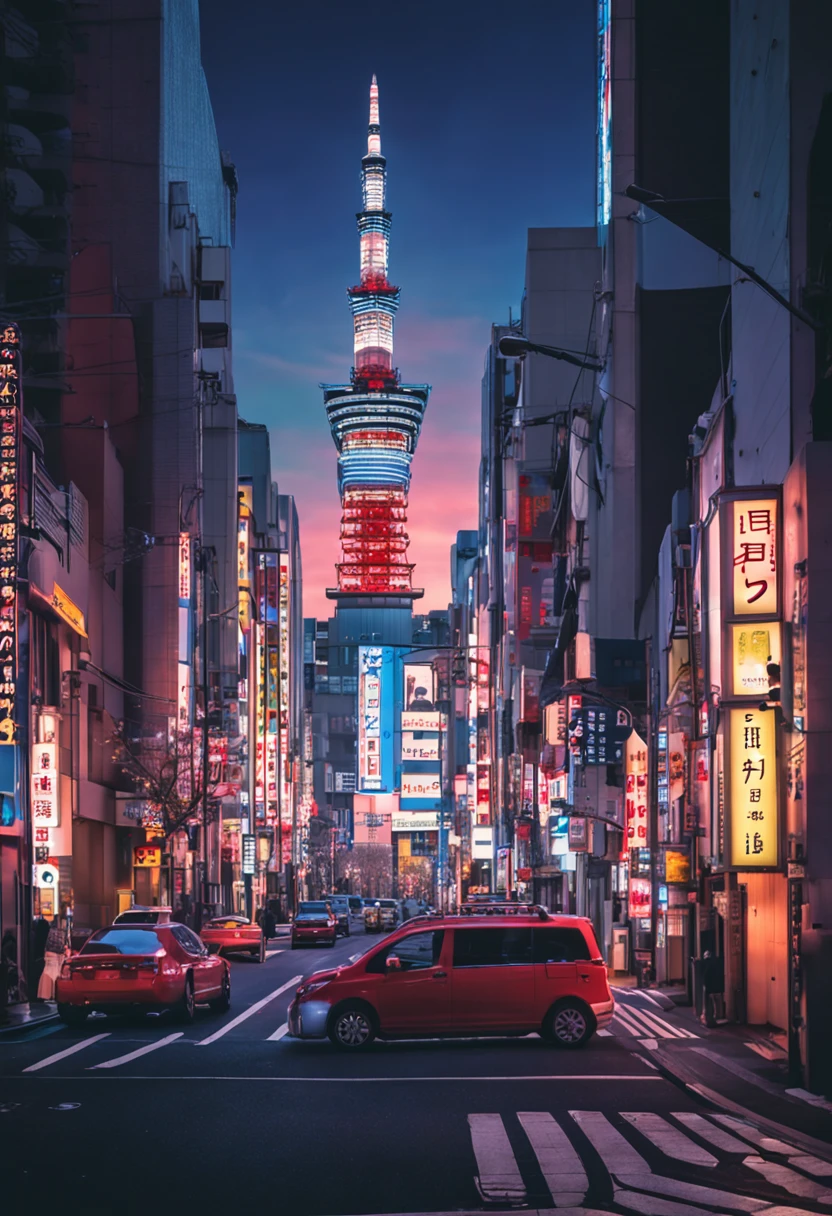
{"type": "Point", "coordinates": [669, 1139]}
{"type": "Point", "coordinates": [714, 1135]}
{"type": "Point", "coordinates": [252, 1009]}
{"type": "Point", "coordinates": [559, 1163]}
{"type": "Point", "coordinates": [279, 1033]}
{"type": "Point", "coordinates": [117, 1061]}
{"type": "Point", "coordinates": [499, 1180]}
{"type": "Point", "coordinates": [68, 1051]}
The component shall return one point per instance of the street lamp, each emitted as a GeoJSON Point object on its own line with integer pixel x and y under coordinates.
{"type": "Point", "coordinates": [516, 348]}
{"type": "Point", "coordinates": [657, 202]}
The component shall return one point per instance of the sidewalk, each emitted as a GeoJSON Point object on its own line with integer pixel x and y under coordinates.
{"type": "Point", "coordinates": [744, 1071]}
{"type": "Point", "coordinates": [25, 1016]}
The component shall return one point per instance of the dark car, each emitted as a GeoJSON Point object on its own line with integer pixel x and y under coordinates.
{"type": "Point", "coordinates": [340, 905]}
{"type": "Point", "coordinates": [314, 922]}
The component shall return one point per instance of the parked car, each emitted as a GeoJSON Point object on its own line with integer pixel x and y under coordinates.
{"type": "Point", "coordinates": [139, 915]}
{"type": "Point", "coordinates": [477, 976]}
{"type": "Point", "coordinates": [151, 966]}
{"type": "Point", "coordinates": [235, 934]}
{"type": "Point", "coordinates": [314, 922]}
{"type": "Point", "coordinates": [389, 913]}
{"type": "Point", "coordinates": [356, 907]}
{"type": "Point", "coordinates": [340, 905]}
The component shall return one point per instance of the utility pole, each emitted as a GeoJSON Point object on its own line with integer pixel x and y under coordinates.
{"type": "Point", "coordinates": [205, 751]}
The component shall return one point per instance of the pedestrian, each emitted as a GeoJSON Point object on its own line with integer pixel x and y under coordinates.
{"type": "Point", "coordinates": [54, 955]}
{"type": "Point", "coordinates": [41, 933]}
{"type": "Point", "coordinates": [268, 924]}
{"type": "Point", "coordinates": [713, 983]}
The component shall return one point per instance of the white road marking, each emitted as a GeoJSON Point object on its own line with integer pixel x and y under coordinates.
{"type": "Point", "coordinates": [279, 1033]}
{"type": "Point", "coordinates": [789, 1180]}
{"type": "Point", "coordinates": [68, 1051]}
{"type": "Point", "coordinates": [559, 1163]}
{"type": "Point", "coordinates": [812, 1165]}
{"type": "Point", "coordinates": [604, 1034]}
{"type": "Point", "coordinates": [252, 1009]}
{"type": "Point", "coordinates": [117, 1061]}
{"type": "Point", "coordinates": [629, 1023]}
{"type": "Point", "coordinates": [656, 1025]}
{"type": "Point", "coordinates": [652, 1205]}
{"type": "Point", "coordinates": [499, 1179]}
{"type": "Point", "coordinates": [767, 1143]}
{"type": "Point", "coordinates": [669, 1139]}
{"type": "Point", "coordinates": [618, 1154]}
{"type": "Point", "coordinates": [714, 1135]}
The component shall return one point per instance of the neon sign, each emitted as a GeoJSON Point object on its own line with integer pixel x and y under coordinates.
{"type": "Point", "coordinates": [10, 415]}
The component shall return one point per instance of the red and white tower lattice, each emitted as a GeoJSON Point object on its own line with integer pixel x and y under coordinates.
{"type": "Point", "coordinates": [375, 419]}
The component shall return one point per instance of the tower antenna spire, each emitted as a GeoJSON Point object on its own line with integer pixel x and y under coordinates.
{"type": "Point", "coordinates": [375, 420]}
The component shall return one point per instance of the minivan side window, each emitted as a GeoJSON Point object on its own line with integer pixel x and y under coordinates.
{"type": "Point", "coordinates": [560, 946]}
{"type": "Point", "coordinates": [416, 951]}
{"type": "Point", "coordinates": [503, 947]}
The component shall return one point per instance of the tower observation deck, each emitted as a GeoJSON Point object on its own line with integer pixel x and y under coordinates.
{"type": "Point", "coordinates": [375, 419]}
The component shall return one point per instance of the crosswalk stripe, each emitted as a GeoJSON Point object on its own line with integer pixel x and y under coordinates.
{"type": "Point", "coordinates": [247, 1013]}
{"type": "Point", "coordinates": [714, 1135]}
{"type": "Point", "coordinates": [604, 1034]}
{"type": "Point", "coordinates": [712, 1196]}
{"type": "Point", "coordinates": [789, 1180]}
{"type": "Point", "coordinates": [669, 1139]}
{"type": "Point", "coordinates": [559, 1164]}
{"type": "Point", "coordinates": [653, 1019]}
{"type": "Point", "coordinates": [499, 1179]}
{"type": "Point", "coordinates": [767, 1143]}
{"type": "Point", "coordinates": [618, 1154]}
{"type": "Point", "coordinates": [653, 1205]}
{"type": "Point", "coordinates": [67, 1051]}
{"type": "Point", "coordinates": [117, 1061]}
{"type": "Point", "coordinates": [279, 1033]}
{"type": "Point", "coordinates": [627, 1022]}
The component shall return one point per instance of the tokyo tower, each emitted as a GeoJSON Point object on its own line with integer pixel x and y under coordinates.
{"type": "Point", "coordinates": [375, 419]}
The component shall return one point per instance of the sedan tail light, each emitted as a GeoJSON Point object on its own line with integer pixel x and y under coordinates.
{"type": "Point", "coordinates": [170, 965]}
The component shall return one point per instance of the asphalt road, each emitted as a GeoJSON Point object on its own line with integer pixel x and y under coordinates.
{"type": "Point", "coordinates": [139, 1115]}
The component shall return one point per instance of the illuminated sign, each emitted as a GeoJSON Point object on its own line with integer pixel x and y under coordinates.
{"type": "Point", "coordinates": [635, 794]}
{"type": "Point", "coordinates": [184, 568]}
{"type": "Point", "coordinates": [421, 785]}
{"type": "Point", "coordinates": [752, 788]}
{"type": "Point", "coordinates": [676, 866]}
{"type": "Point", "coordinates": [67, 610]}
{"type": "Point", "coordinates": [45, 793]}
{"type": "Point", "coordinates": [375, 719]}
{"type": "Point", "coordinates": [753, 646]}
{"type": "Point", "coordinates": [604, 120]}
{"type": "Point", "coordinates": [419, 749]}
{"type": "Point", "coordinates": [10, 415]}
{"type": "Point", "coordinates": [285, 775]}
{"type": "Point", "coordinates": [415, 822]}
{"type": "Point", "coordinates": [419, 689]}
{"type": "Point", "coordinates": [578, 835]}
{"type": "Point", "coordinates": [243, 567]}
{"type": "Point", "coordinates": [417, 720]}
{"type": "Point", "coordinates": [249, 854]}
{"type": "Point", "coordinates": [345, 782]}
{"type": "Point", "coordinates": [754, 556]}
{"type": "Point", "coordinates": [640, 902]}
{"type": "Point", "coordinates": [145, 855]}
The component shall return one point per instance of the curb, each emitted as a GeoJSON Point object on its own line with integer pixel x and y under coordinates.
{"type": "Point", "coordinates": [681, 1076]}
{"type": "Point", "coordinates": [23, 1027]}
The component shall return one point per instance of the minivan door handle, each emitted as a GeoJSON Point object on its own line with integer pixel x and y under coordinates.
{"type": "Point", "coordinates": [440, 975]}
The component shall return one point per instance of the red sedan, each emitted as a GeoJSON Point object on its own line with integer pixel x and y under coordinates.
{"type": "Point", "coordinates": [314, 922]}
{"type": "Point", "coordinates": [143, 967]}
{"type": "Point", "coordinates": [233, 934]}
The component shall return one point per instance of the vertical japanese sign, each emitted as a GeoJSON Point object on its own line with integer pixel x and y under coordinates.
{"type": "Point", "coordinates": [184, 568]}
{"type": "Point", "coordinates": [10, 414]}
{"type": "Point", "coordinates": [751, 605]}
{"type": "Point", "coordinates": [636, 792]}
{"type": "Point", "coordinates": [284, 617]}
{"type": "Point", "coordinates": [45, 813]}
{"type": "Point", "coordinates": [752, 788]}
{"type": "Point", "coordinates": [375, 719]}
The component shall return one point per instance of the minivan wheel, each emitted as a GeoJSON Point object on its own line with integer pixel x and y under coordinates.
{"type": "Point", "coordinates": [351, 1028]}
{"type": "Point", "coordinates": [569, 1025]}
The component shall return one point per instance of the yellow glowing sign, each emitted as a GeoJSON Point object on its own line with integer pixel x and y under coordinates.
{"type": "Point", "coordinates": [68, 611]}
{"type": "Point", "coordinates": [754, 557]}
{"type": "Point", "coordinates": [752, 788]}
{"type": "Point", "coordinates": [753, 647]}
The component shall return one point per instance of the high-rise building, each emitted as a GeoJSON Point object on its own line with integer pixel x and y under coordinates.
{"type": "Point", "coordinates": [375, 419]}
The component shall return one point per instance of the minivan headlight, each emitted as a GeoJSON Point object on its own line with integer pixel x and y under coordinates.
{"type": "Point", "coordinates": [309, 986]}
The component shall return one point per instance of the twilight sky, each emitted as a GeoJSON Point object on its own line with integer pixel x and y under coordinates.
{"type": "Point", "coordinates": [488, 126]}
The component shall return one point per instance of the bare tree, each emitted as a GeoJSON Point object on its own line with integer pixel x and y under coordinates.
{"type": "Point", "coordinates": [166, 769]}
{"type": "Point", "coordinates": [369, 868]}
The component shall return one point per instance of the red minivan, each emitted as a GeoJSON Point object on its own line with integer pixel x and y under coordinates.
{"type": "Point", "coordinates": [468, 975]}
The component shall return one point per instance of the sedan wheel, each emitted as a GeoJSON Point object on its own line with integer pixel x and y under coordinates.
{"type": "Point", "coordinates": [261, 957]}
{"type": "Point", "coordinates": [186, 1006]}
{"type": "Point", "coordinates": [569, 1026]}
{"type": "Point", "coordinates": [352, 1029]}
{"type": "Point", "coordinates": [223, 1002]}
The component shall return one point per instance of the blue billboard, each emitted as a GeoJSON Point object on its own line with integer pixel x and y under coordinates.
{"type": "Point", "coordinates": [376, 706]}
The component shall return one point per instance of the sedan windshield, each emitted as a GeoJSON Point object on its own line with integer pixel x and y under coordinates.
{"type": "Point", "coordinates": [317, 908]}
{"type": "Point", "coordinates": [123, 941]}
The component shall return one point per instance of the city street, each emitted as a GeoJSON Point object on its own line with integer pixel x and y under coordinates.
{"type": "Point", "coordinates": [130, 1115]}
